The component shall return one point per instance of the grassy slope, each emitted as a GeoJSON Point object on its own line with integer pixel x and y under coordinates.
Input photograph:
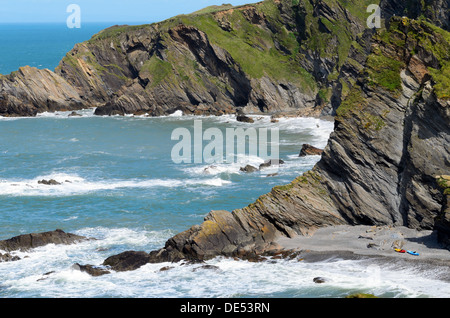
{"type": "Point", "coordinates": [254, 48]}
{"type": "Point", "coordinates": [384, 71]}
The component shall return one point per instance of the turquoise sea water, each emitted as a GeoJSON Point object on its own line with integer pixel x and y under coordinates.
{"type": "Point", "coordinates": [120, 186]}
{"type": "Point", "coordinates": [41, 45]}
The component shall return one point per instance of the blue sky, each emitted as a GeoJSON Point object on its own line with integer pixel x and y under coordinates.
{"type": "Point", "coordinates": [116, 11]}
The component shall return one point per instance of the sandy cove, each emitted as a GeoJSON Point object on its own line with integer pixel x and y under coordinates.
{"type": "Point", "coordinates": [377, 242]}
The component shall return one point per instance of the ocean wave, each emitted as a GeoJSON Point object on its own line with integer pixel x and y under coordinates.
{"type": "Point", "coordinates": [215, 169]}
{"type": "Point", "coordinates": [88, 112]}
{"type": "Point", "coordinates": [224, 277]}
{"type": "Point", "coordinates": [293, 164]}
{"type": "Point", "coordinates": [47, 272]}
{"type": "Point", "coordinates": [71, 184]}
{"type": "Point", "coordinates": [134, 238]}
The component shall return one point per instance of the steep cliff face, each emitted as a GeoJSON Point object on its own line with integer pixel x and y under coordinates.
{"type": "Point", "coordinates": [435, 11]}
{"type": "Point", "coordinates": [380, 167]}
{"type": "Point", "coordinates": [400, 118]}
{"type": "Point", "coordinates": [276, 55]}
{"type": "Point", "coordinates": [270, 56]}
{"type": "Point", "coordinates": [443, 220]}
{"type": "Point", "coordinates": [30, 90]}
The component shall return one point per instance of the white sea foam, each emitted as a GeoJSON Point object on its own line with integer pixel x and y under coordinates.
{"type": "Point", "coordinates": [89, 112]}
{"type": "Point", "coordinates": [224, 168]}
{"type": "Point", "coordinates": [2, 118]}
{"type": "Point", "coordinates": [284, 278]}
{"type": "Point", "coordinates": [177, 113]}
{"type": "Point", "coordinates": [48, 272]}
{"type": "Point", "coordinates": [229, 278]}
{"type": "Point", "coordinates": [71, 184]}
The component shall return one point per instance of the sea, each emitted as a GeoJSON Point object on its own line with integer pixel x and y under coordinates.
{"type": "Point", "coordinates": [120, 185]}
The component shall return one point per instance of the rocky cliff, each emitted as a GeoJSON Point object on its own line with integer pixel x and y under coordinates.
{"type": "Point", "coordinates": [385, 163]}
{"type": "Point", "coordinates": [388, 88]}
{"type": "Point", "coordinates": [276, 55]}
{"type": "Point", "coordinates": [29, 91]}
{"type": "Point", "coordinates": [209, 62]}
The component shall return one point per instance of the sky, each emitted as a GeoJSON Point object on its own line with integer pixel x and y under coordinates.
{"type": "Point", "coordinates": [115, 11]}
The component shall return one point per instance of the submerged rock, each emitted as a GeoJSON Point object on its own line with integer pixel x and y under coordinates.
{"type": "Point", "coordinates": [320, 280]}
{"type": "Point", "coordinates": [91, 269]}
{"type": "Point", "coordinates": [126, 261]}
{"type": "Point", "coordinates": [308, 150]}
{"type": "Point", "coordinates": [244, 119]}
{"type": "Point", "coordinates": [361, 295]}
{"type": "Point", "coordinates": [248, 168]}
{"type": "Point", "coordinates": [49, 182]}
{"type": "Point", "coordinates": [207, 267]}
{"type": "Point", "coordinates": [271, 162]}
{"type": "Point", "coordinates": [8, 258]}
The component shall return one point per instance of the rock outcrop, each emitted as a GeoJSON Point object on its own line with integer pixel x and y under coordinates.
{"type": "Point", "coordinates": [308, 150]}
{"type": "Point", "coordinates": [30, 91]}
{"type": "Point", "coordinates": [49, 182]}
{"type": "Point", "coordinates": [27, 242]}
{"type": "Point", "coordinates": [8, 258]}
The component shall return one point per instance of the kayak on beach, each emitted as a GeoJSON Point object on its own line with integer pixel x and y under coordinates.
{"type": "Point", "coordinates": [406, 251]}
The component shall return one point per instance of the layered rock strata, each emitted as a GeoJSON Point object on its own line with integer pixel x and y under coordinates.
{"type": "Point", "coordinates": [391, 140]}
{"type": "Point", "coordinates": [30, 91]}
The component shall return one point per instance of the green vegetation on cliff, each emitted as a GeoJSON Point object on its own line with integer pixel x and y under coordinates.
{"type": "Point", "coordinates": [392, 50]}
{"type": "Point", "coordinates": [274, 55]}
{"type": "Point", "coordinates": [255, 48]}
{"type": "Point", "coordinates": [293, 43]}
{"type": "Point", "coordinates": [444, 184]}
{"type": "Point", "coordinates": [385, 71]}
